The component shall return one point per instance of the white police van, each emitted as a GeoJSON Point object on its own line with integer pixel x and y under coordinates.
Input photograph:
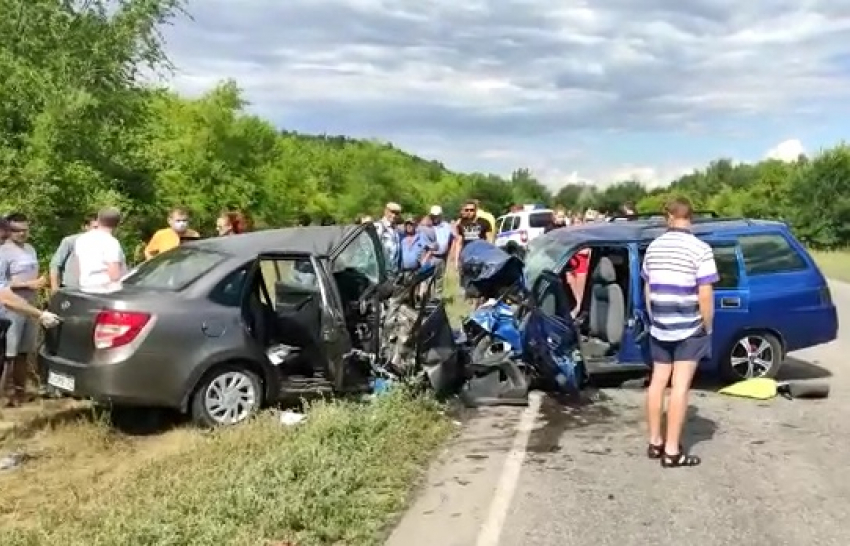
{"type": "Point", "coordinates": [522, 224]}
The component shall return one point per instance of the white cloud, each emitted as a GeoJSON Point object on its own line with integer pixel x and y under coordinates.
{"type": "Point", "coordinates": [651, 177]}
{"type": "Point", "coordinates": [787, 150]}
{"type": "Point", "coordinates": [526, 78]}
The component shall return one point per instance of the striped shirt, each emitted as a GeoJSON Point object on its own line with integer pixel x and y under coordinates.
{"type": "Point", "coordinates": [675, 265]}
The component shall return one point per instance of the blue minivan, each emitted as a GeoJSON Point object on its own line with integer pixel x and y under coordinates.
{"type": "Point", "coordinates": [771, 298]}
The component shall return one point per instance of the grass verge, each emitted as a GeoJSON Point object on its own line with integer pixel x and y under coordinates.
{"type": "Point", "coordinates": [456, 306]}
{"type": "Point", "coordinates": [338, 478]}
{"type": "Point", "coordinates": [834, 264]}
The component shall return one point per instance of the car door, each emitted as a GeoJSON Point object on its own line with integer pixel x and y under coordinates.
{"type": "Point", "coordinates": [627, 259]}
{"type": "Point", "coordinates": [358, 269]}
{"type": "Point", "coordinates": [334, 330]}
{"type": "Point", "coordinates": [634, 347]}
{"type": "Point", "coordinates": [296, 293]}
{"type": "Point", "coordinates": [731, 298]}
{"type": "Point", "coordinates": [731, 301]}
{"type": "Point", "coordinates": [551, 336]}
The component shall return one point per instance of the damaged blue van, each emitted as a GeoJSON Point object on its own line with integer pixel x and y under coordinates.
{"type": "Point", "coordinates": [771, 298]}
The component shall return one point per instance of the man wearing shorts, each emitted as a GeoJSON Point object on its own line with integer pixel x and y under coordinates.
{"type": "Point", "coordinates": [678, 271]}
{"type": "Point", "coordinates": [20, 264]}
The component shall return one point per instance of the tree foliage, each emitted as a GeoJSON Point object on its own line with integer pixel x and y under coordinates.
{"type": "Point", "coordinates": [80, 128]}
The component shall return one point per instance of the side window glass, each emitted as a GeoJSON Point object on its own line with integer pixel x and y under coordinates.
{"type": "Point", "coordinates": [726, 259]}
{"type": "Point", "coordinates": [514, 222]}
{"type": "Point", "coordinates": [228, 291]}
{"type": "Point", "coordinates": [769, 253]}
{"type": "Point", "coordinates": [298, 273]}
{"type": "Point", "coordinates": [500, 223]}
{"type": "Point", "coordinates": [361, 256]}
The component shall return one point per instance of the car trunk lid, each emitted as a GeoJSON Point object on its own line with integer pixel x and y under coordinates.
{"type": "Point", "coordinates": [73, 338]}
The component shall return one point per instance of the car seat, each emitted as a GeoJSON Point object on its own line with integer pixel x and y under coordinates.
{"type": "Point", "coordinates": [606, 322]}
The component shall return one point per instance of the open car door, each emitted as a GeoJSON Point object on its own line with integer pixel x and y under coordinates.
{"type": "Point", "coordinates": [551, 335]}
{"type": "Point", "coordinates": [291, 303]}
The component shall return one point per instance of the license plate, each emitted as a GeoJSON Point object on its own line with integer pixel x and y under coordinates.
{"type": "Point", "coordinates": [60, 381]}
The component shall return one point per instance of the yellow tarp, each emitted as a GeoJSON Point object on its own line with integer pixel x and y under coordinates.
{"type": "Point", "coordinates": [759, 388]}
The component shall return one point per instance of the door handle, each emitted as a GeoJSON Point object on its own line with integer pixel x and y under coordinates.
{"type": "Point", "coordinates": [730, 303]}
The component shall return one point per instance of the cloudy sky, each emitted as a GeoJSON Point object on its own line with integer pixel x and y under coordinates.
{"type": "Point", "coordinates": [573, 90]}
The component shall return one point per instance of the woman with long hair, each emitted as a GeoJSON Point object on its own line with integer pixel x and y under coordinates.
{"type": "Point", "coordinates": [231, 223]}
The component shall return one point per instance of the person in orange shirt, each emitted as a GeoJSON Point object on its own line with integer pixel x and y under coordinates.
{"type": "Point", "coordinates": [167, 238]}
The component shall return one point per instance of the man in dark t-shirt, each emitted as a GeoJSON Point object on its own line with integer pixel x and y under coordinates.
{"type": "Point", "coordinates": [469, 228]}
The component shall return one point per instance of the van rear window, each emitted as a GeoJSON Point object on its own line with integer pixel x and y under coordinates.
{"type": "Point", "coordinates": [769, 253]}
{"type": "Point", "coordinates": [539, 219]}
{"type": "Point", "coordinates": [174, 270]}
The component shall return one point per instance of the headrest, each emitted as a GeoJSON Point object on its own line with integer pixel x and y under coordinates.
{"type": "Point", "coordinates": [604, 271]}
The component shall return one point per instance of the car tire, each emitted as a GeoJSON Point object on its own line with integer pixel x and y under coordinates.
{"type": "Point", "coordinates": [740, 363]}
{"type": "Point", "coordinates": [227, 395]}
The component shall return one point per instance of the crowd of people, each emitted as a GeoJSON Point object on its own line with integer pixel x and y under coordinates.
{"type": "Point", "coordinates": [413, 241]}
{"type": "Point", "coordinates": [94, 260]}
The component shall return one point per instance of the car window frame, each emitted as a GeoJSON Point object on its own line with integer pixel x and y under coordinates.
{"type": "Point", "coordinates": [212, 295]}
{"type": "Point", "coordinates": [641, 249]}
{"type": "Point", "coordinates": [739, 269]}
{"type": "Point", "coordinates": [751, 271]}
{"type": "Point", "coordinates": [144, 266]}
{"type": "Point", "coordinates": [549, 214]}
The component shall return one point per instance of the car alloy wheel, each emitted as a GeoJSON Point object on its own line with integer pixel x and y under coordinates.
{"type": "Point", "coordinates": [231, 397]}
{"type": "Point", "coordinates": [755, 355]}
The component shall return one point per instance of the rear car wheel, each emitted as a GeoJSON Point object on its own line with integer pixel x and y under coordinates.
{"type": "Point", "coordinates": [754, 354]}
{"type": "Point", "coordinates": [227, 395]}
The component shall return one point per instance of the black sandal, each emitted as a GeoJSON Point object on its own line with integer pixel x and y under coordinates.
{"type": "Point", "coordinates": [655, 451]}
{"type": "Point", "coordinates": [680, 459]}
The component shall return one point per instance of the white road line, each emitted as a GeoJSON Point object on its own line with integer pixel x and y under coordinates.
{"type": "Point", "coordinates": [509, 479]}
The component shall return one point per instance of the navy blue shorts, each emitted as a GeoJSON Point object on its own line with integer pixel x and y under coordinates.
{"type": "Point", "coordinates": [691, 349]}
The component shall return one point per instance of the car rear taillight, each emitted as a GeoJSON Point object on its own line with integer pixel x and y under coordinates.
{"type": "Point", "coordinates": [114, 329]}
{"type": "Point", "coordinates": [825, 297]}
{"type": "Point", "coordinates": [523, 236]}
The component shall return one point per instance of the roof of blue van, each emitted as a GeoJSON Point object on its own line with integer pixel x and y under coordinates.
{"type": "Point", "coordinates": [642, 230]}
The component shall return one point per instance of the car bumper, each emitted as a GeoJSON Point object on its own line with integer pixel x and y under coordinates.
{"type": "Point", "coordinates": [118, 382]}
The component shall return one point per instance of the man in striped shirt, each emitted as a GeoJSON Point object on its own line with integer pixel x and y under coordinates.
{"type": "Point", "coordinates": [678, 271]}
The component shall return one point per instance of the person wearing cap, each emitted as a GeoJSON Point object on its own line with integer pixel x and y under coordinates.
{"type": "Point", "coordinates": [99, 254]}
{"type": "Point", "coordinates": [443, 235]}
{"type": "Point", "coordinates": [413, 247]}
{"type": "Point", "coordinates": [390, 236]}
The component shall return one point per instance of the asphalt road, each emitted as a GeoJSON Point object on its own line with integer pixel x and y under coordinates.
{"type": "Point", "coordinates": [774, 473]}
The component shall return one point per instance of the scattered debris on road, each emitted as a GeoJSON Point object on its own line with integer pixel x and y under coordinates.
{"type": "Point", "coordinates": [291, 418]}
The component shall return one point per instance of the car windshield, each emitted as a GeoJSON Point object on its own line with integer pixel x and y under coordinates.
{"type": "Point", "coordinates": [174, 270]}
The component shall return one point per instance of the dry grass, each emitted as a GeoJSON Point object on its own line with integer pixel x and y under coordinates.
{"type": "Point", "coordinates": [456, 306]}
{"type": "Point", "coordinates": [338, 478]}
{"type": "Point", "coordinates": [834, 264]}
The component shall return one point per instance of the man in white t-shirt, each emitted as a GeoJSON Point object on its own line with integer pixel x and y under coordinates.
{"type": "Point", "coordinates": [101, 262]}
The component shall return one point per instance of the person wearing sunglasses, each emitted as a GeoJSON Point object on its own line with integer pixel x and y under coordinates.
{"type": "Point", "coordinates": [469, 228]}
